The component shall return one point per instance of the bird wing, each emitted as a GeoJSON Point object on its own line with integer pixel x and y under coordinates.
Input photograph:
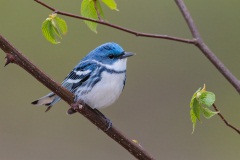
{"type": "Point", "coordinates": [79, 75]}
{"type": "Point", "coordinates": [72, 82]}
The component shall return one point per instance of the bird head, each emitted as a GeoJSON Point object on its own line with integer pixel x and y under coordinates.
{"type": "Point", "coordinates": [108, 53]}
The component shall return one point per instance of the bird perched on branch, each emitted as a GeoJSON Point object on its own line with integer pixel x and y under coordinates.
{"type": "Point", "coordinates": [97, 80]}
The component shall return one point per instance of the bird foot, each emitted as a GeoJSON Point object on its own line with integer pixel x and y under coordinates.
{"type": "Point", "coordinates": [108, 123]}
{"type": "Point", "coordinates": [75, 107]}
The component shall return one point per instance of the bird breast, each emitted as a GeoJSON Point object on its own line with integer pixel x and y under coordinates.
{"type": "Point", "coordinates": [106, 91]}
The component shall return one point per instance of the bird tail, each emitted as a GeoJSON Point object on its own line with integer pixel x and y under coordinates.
{"type": "Point", "coordinates": [49, 100]}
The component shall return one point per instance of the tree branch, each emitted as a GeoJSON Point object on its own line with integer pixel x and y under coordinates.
{"type": "Point", "coordinates": [14, 56]}
{"type": "Point", "coordinates": [139, 34]}
{"type": "Point", "coordinates": [224, 120]}
{"type": "Point", "coordinates": [204, 48]}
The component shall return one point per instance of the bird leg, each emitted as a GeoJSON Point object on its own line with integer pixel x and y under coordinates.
{"type": "Point", "coordinates": [75, 107]}
{"type": "Point", "coordinates": [108, 121]}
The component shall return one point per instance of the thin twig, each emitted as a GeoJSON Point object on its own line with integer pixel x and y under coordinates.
{"type": "Point", "coordinates": [224, 120]}
{"type": "Point", "coordinates": [140, 34]}
{"type": "Point", "coordinates": [205, 49]}
{"type": "Point", "coordinates": [14, 56]}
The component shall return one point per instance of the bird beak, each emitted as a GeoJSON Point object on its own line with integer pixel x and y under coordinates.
{"type": "Point", "coordinates": [127, 54]}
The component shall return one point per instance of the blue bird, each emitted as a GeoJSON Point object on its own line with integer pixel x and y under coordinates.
{"type": "Point", "coordinates": [97, 80]}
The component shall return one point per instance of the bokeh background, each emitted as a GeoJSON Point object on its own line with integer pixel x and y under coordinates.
{"type": "Point", "coordinates": [161, 78]}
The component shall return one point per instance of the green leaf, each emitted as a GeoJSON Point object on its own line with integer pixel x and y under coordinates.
{"type": "Point", "coordinates": [92, 9]}
{"type": "Point", "coordinates": [54, 27]}
{"type": "Point", "coordinates": [194, 97]}
{"type": "Point", "coordinates": [207, 113]}
{"type": "Point", "coordinates": [199, 104]}
{"type": "Point", "coordinates": [111, 4]}
{"type": "Point", "coordinates": [61, 25]}
{"type": "Point", "coordinates": [193, 119]}
{"type": "Point", "coordinates": [56, 30]}
{"type": "Point", "coordinates": [207, 98]}
{"type": "Point", "coordinates": [48, 31]}
{"type": "Point", "coordinates": [196, 108]}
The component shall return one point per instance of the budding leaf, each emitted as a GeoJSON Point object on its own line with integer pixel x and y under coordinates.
{"type": "Point", "coordinates": [48, 31]}
{"type": "Point", "coordinates": [196, 109]}
{"type": "Point", "coordinates": [193, 119]}
{"type": "Point", "coordinates": [201, 99]}
{"type": "Point", "coordinates": [111, 4]}
{"type": "Point", "coordinates": [207, 98]}
{"type": "Point", "coordinates": [92, 9]}
{"type": "Point", "coordinates": [54, 27]}
{"type": "Point", "coordinates": [61, 25]}
{"type": "Point", "coordinates": [207, 113]}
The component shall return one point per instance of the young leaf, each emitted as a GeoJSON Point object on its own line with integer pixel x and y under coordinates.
{"type": "Point", "coordinates": [207, 98]}
{"type": "Point", "coordinates": [61, 25]}
{"type": "Point", "coordinates": [207, 113]}
{"type": "Point", "coordinates": [200, 99]}
{"type": "Point", "coordinates": [196, 109]}
{"type": "Point", "coordinates": [92, 9]}
{"type": "Point", "coordinates": [193, 119]}
{"type": "Point", "coordinates": [194, 97]}
{"type": "Point", "coordinates": [48, 31]}
{"type": "Point", "coordinates": [54, 27]}
{"type": "Point", "coordinates": [111, 4]}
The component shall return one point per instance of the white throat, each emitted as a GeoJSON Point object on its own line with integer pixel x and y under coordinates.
{"type": "Point", "coordinates": [119, 65]}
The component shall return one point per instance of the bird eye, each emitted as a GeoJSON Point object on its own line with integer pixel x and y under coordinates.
{"type": "Point", "coordinates": [111, 56]}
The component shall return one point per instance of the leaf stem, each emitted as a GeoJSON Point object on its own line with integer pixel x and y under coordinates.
{"type": "Point", "coordinates": [224, 120]}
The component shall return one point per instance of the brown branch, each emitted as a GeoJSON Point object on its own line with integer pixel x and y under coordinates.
{"type": "Point", "coordinates": [14, 56]}
{"type": "Point", "coordinates": [139, 34]}
{"type": "Point", "coordinates": [204, 48]}
{"type": "Point", "coordinates": [224, 120]}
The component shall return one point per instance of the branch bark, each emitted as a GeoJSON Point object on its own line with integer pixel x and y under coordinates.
{"type": "Point", "coordinates": [205, 49]}
{"type": "Point", "coordinates": [139, 34]}
{"type": "Point", "coordinates": [16, 57]}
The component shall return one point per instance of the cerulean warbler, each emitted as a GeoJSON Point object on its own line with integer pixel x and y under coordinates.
{"type": "Point", "coordinates": [97, 80]}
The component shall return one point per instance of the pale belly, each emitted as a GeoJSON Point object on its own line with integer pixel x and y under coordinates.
{"type": "Point", "coordinates": [105, 92]}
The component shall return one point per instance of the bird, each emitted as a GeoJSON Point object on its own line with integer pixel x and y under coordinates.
{"type": "Point", "coordinates": [97, 80]}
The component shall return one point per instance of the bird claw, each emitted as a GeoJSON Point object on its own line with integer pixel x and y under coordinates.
{"type": "Point", "coordinates": [75, 107]}
{"type": "Point", "coordinates": [71, 111]}
{"type": "Point", "coordinates": [108, 123]}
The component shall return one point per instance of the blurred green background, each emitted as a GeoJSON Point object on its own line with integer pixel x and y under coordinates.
{"type": "Point", "coordinates": [161, 78]}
